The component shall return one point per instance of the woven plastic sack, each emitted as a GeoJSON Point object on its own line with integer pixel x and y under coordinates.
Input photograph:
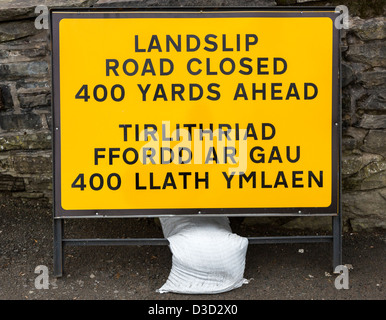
{"type": "Point", "coordinates": [207, 258]}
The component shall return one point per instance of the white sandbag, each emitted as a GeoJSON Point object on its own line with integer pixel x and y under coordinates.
{"type": "Point", "coordinates": [207, 257]}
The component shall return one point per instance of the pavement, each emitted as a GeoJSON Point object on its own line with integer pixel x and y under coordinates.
{"type": "Point", "coordinates": [275, 271]}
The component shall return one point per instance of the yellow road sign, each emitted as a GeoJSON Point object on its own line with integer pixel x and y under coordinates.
{"type": "Point", "coordinates": [191, 111]}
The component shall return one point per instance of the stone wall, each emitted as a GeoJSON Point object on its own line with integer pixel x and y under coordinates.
{"type": "Point", "coordinates": [25, 101]}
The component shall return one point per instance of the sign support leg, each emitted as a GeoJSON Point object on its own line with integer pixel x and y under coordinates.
{"type": "Point", "coordinates": [337, 241]}
{"type": "Point", "coordinates": [58, 247]}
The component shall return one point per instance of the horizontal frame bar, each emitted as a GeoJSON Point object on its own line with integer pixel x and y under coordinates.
{"type": "Point", "coordinates": [116, 242]}
{"type": "Point", "coordinates": [163, 241]}
{"type": "Point", "coordinates": [291, 239]}
{"type": "Point", "coordinates": [101, 215]}
{"type": "Point", "coordinates": [109, 8]}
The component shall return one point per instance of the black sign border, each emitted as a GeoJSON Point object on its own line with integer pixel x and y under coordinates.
{"type": "Point", "coordinates": [56, 14]}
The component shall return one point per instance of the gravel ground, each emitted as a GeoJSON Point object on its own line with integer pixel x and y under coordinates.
{"type": "Point", "coordinates": [276, 272]}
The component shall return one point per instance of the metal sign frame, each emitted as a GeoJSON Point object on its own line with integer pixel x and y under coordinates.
{"type": "Point", "coordinates": [334, 210]}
